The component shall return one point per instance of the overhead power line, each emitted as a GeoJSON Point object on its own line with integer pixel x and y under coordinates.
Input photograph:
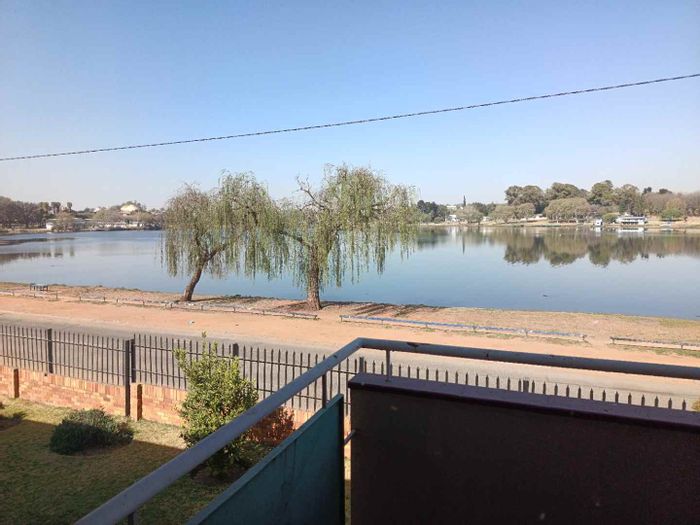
{"type": "Point", "coordinates": [354, 122]}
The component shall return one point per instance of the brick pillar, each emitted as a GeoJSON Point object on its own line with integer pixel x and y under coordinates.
{"type": "Point", "coordinates": [15, 383]}
{"type": "Point", "coordinates": [139, 402]}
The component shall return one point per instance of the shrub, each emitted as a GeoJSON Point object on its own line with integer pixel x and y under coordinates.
{"type": "Point", "coordinates": [83, 429]}
{"type": "Point", "coordinates": [274, 429]}
{"type": "Point", "coordinates": [609, 218]}
{"type": "Point", "coordinates": [217, 394]}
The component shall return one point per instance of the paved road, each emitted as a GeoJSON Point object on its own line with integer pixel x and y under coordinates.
{"type": "Point", "coordinates": [537, 377]}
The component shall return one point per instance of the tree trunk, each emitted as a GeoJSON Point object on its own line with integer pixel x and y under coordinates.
{"type": "Point", "coordinates": [313, 298]}
{"type": "Point", "coordinates": [189, 290]}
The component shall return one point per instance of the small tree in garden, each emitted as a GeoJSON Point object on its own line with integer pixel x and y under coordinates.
{"type": "Point", "coordinates": [217, 394]}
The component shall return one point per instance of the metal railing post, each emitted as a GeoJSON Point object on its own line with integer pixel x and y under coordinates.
{"type": "Point", "coordinates": [324, 390]}
{"type": "Point", "coordinates": [49, 349]}
{"type": "Point", "coordinates": [132, 359]}
{"type": "Point", "coordinates": [388, 365]}
{"type": "Point", "coordinates": [126, 353]}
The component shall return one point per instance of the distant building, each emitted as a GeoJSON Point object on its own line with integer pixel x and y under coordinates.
{"type": "Point", "coordinates": [74, 224]}
{"type": "Point", "coordinates": [128, 209]}
{"type": "Point", "coordinates": [631, 219]}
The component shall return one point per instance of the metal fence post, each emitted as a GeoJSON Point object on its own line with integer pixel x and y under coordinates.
{"type": "Point", "coordinates": [388, 365]}
{"type": "Point", "coordinates": [324, 390]}
{"type": "Point", "coordinates": [132, 359]}
{"type": "Point", "coordinates": [49, 349]}
{"type": "Point", "coordinates": [363, 365]}
{"type": "Point", "coordinates": [127, 376]}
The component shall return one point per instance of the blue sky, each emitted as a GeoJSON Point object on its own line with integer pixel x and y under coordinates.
{"type": "Point", "coordinates": [91, 74]}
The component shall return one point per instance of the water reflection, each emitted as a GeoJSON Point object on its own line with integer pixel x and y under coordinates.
{"type": "Point", "coordinates": [486, 267]}
{"type": "Point", "coordinates": [54, 252]}
{"type": "Point", "coordinates": [561, 247]}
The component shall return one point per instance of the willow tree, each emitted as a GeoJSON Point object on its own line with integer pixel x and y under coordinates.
{"type": "Point", "coordinates": [344, 227]}
{"type": "Point", "coordinates": [230, 228]}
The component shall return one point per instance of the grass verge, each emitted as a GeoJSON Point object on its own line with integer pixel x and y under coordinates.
{"type": "Point", "coordinates": [45, 487]}
{"type": "Point", "coordinates": [659, 350]}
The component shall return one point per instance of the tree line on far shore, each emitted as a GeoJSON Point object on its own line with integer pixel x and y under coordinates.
{"type": "Point", "coordinates": [563, 202]}
{"type": "Point", "coordinates": [15, 214]}
{"type": "Point", "coordinates": [321, 235]}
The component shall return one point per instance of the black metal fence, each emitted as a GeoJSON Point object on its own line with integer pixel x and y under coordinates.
{"type": "Point", "coordinates": [83, 356]}
{"type": "Point", "coordinates": [151, 359]}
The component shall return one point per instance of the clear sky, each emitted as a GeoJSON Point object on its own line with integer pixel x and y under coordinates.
{"type": "Point", "coordinates": [80, 74]}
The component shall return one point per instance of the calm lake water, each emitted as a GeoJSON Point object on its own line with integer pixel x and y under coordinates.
{"type": "Point", "coordinates": [547, 269]}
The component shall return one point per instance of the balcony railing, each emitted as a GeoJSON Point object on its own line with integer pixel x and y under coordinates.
{"type": "Point", "coordinates": [126, 503]}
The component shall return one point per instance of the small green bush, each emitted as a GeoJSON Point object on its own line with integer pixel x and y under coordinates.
{"type": "Point", "coordinates": [217, 394]}
{"type": "Point", "coordinates": [609, 218]}
{"type": "Point", "coordinates": [84, 429]}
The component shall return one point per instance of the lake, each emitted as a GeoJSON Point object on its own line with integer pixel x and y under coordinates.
{"type": "Point", "coordinates": [556, 269]}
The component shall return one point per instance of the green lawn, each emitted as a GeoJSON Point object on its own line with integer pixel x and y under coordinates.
{"type": "Point", "coordinates": [39, 486]}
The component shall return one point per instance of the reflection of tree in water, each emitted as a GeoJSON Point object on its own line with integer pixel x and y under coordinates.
{"type": "Point", "coordinates": [525, 249]}
{"type": "Point", "coordinates": [55, 252]}
{"type": "Point", "coordinates": [428, 238]}
{"type": "Point", "coordinates": [561, 247]}
{"type": "Point", "coordinates": [6, 258]}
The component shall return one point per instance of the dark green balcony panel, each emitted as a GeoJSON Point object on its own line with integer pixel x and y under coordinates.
{"type": "Point", "coordinates": [300, 481]}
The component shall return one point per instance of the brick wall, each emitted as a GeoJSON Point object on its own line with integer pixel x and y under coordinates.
{"type": "Point", "coordinates": [147, 401]}
{"type": "Point", "coordinates": [158, 403]}
{"type": "Point", "coordinates": [150, 402]}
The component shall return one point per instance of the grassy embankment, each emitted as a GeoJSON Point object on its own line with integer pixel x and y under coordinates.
{"type": "Point", "coordinates": [44, 487]}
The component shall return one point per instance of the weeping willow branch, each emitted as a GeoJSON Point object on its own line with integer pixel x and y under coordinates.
{"type": "Point", "coordinates": [345, 227]}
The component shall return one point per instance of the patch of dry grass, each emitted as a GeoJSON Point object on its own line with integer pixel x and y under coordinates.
{"type": "Point", "coordinates": [45, 487]}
